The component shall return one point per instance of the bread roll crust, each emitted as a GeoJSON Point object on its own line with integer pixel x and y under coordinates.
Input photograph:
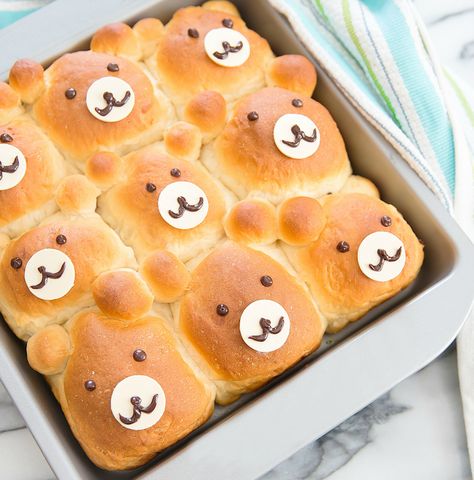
{"type": "Point", "coordinates": [31, 200]}
{"type": "Point", "coordinates": [102, 351]}
{"type": "Point", "coordinates": [246, 158]}
{"type": "Point", "coordinates": [68, 121]}
{"type": "Point", "coordinates": [133, 210]}
{"type": "Point", "coordinates": [92, 247]}
{"type": "Point", "coordinates": [342, 292]}
{"type": "Point", "coordinates": [184, 69]}
{"type": "Point", "coordinates": [231, 275]}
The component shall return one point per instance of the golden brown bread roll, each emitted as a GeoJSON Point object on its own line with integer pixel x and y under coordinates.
{"type": "Point", "coordinates": [31, 169]}
{"type": "Point", "coordinates": [109, 364]}
{"type": "Point", "coordinates": [252, 155]}
{"type": "Point", "coordinates": [184, 68]}
{"type": "Point", "coordinates": [27, 79]}
{"type": "Point", "coordinates": [10, 103]}
{"type": "Point", "coordinates": [71, 252]}
{"type": "Point", "coordinates": [145, 207]}
{"type": "Point", "coordinates": [251, 221]}
{"type": "Point", "coordinates": [68, 109]}
{"type": "Point", "coordinates": [232, 291]}
{"type": "Point", "coordinates": [336, 265]}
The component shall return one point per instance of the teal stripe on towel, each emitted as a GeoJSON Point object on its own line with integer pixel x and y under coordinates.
{"type": "Point", "coordinates": [429, 106]}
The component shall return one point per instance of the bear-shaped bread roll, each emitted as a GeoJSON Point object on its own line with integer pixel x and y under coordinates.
{"type": "Point", "coordinates": [206, 57]}
{"type": "Point", "coordinates": [279, 144]}
{"type": "Point", "coordinates": [90, 100]}
{"type": "Point", "coordinates": [360, 251]}
{"type": "Point", "coordinates": [30, 170]}
{"type": "Point", "coordinates": [243, 316]}
{"type": "Point", "coordinates": [46, 274]}
{"type": "Point", "coordinates": [125, 386]}
{"type": "Point", "coordinates": [164, 202]}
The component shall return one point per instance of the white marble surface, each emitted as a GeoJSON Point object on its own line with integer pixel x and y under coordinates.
{"type": "Point", "coordinates": [413, 432]}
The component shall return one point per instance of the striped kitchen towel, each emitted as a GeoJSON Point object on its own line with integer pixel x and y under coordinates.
{"type": "Point", "coordinates": [380, 56]}
{"type": "Point", "coordinates": [12, 10]}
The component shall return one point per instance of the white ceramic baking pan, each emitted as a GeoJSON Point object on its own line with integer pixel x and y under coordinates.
{"type": "Point", "coordinates": [351, 369]}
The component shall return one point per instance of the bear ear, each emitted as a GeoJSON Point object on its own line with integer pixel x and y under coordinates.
{"type": "Point", "coordinates": [104, 169]}
{"type": "Point", "coordinates": [122, 294]}
{"type": "Point", "coordinates": [166, 275]}
{"type": "Point", "coordinates": [10, 103]}
{"type": "Point", "coordinates": [183, 140]}
{"type": "Point", "coordinates": [27, 79]}
{"type": "Point", "coordinates": [117, 39]}
{"type": "Point", "coordinates": [48, 350]}
{"type": "Point", "coordinates": [221, 6]}
{"type": "Point", "coordinates": [293, 72]}
{"type": "Point", "coordinates": [358, 184]}
{"type": "Point", "coordinates": [252, 221]}
{"type": "Point", "coordinates": [76, 195]}
{"type": "Point", "coordinates": [148, 32]}
{"type": "Point", "coordinates": [300, 220]}
{"type": "Point", "coordinates": [208, 111]}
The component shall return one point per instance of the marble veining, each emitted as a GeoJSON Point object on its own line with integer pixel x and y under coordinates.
{"type": "Point", "coordinates": [324, 456]}
{"type": "Point", "coordinates": [415, 431]}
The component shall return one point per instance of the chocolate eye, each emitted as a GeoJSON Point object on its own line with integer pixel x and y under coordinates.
{"type": "Point", "coordinates": [61, 239]}
{"type": "Point", "coordinates": [5, 138]}
{"type": "Point", "coordinates": [139, 355]}
{"type": "Point", "coordinates": [175, 172]}
{"type": "Point", "coordinates": [193, 33]}
{"type": "Point", "coordinates": [228, 23]}
{"type": "Point", "coordinates": [113, 67]}
{"type": "Point", "coordinates": [266, 281]}
{"type": "Point", "coordinates": [252, 116]}
{"type": "Point", "coordinates": [386, 221]}
{"type": "Point", "coordinates": [16, 263]}
{"type": "Point", "coordinates": [343, 247]}
{"type": "Point", "coordinates": [296, 102]}
{"type": "Point", "coordinates": [90, 385]}
{"type": "Point", "coordinates": [222, 310]}
{"type": "Point", "coordinates": [70, 93]}
{"type": "Point", "coordinates": [150, 187]}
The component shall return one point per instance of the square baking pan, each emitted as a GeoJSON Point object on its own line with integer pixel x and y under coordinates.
{"type": "Point", "coordinates": [350, 369]}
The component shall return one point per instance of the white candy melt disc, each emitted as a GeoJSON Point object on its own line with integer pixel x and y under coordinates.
{"type": "Point", "coordinates": [183, 205]}
{"type": "Point", "coordinates": [226, 47]}
{"type": "Point", "coordinates": [12, 166]}
{"type": "Point", "coordinates": [385, 252]}
{"type": "Point", "coordinates": [138, 402]}
{"type": "Point", "coordinates": [296, 136]}
{"type": "Point", "coordinates": [119, 101]}
{"type": "Point", "coordinates": [267, 322]}
{"type": "Point", "coordinates": [49, 274]}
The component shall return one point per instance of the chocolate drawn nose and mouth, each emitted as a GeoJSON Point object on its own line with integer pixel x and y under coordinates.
{"type": "Point", "coordinates": [49, 274]}
{"type": "Point", "coordinates": [132, 393]}
{"type": "Point", "coordinates": [381, 256]}
{"type": "Point", "coordinates": [267, 328]}
{"type": "Point", "coordinates": [300, 135]}
{"type": "Point", "coordinates": [138, 409]}
{"type": "Point", "coordinates": [185, 206]}
{"type": "Point", "coordinates": [256, 328]}
{"type": "Point", "coordinates": [112, 102]}
{"type": "Point", "coordinates": [306, 137]}
{"type": "Point", "coordinates": [12, 166]}
{"type": "Point", "coordinates": [9, 168]}
{"type": "Point", "coordinates": [385, 257]}
{"type": "Point", "coordinates": [228, 48]}
{"type": "Point", "coordinates": [45, 275]}
{"type": "Point", "coordinates": [110, 99]}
